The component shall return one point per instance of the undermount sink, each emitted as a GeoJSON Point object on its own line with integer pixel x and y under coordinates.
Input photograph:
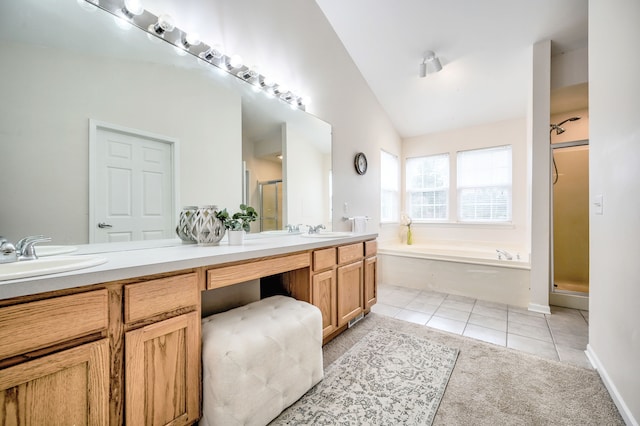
{"type": "Point", "coordinates": [328, 234]}
{"type": "Point", "coordinates": [47, 250]}
{"type": "Point", "coordinates": [47, 265]}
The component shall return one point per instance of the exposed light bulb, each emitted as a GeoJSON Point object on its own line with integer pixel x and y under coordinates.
{"type": "Point", "coordinates": [235, 61]}
{"type": "Point", "coordinates": [268, 81]}
{"type": "Point", "coordinates": [304, 100]}
{"type": "Point", "coordinates": [164, 25]}
{"type": "Point", "coordinates": [190, 39]}
{"type": "Point", "coordinates": [132, 8]}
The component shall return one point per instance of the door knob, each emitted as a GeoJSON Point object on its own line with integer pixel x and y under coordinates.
{"type": "Point", "coordinates": [104, 225]}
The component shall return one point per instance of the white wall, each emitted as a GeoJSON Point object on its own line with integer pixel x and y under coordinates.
{"type": "Point", "coordinates": [292, 41]}
{"type": "Point", "coordinates": [512, 236]}
{"type": "Point", "coordinates": [614, 104]}
{"type": "Point", "coordinates": [54, 93]}
{"type": "Point", "coordinates": [569, 68]}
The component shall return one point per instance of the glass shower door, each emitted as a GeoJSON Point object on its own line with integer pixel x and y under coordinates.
{"type": "Point", "coordinates": [270, 205]}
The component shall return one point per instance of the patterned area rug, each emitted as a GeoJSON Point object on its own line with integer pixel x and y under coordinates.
{"type": "Point", "coordinates": [387, 378]}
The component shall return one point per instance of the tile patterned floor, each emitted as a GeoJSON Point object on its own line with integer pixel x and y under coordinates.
{"type": "Point", "coordinates": [561, 336]}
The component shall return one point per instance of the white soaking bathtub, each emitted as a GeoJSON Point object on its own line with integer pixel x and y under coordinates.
{"type": "Point", "coordinates": [466, 270]}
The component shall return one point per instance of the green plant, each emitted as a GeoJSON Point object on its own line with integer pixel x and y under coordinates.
{"type": "Point", "coordinates": [239, 220]}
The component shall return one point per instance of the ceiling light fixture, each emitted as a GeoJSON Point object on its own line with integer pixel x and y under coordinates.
{"type": "Point", "coordinates": [430, 64]}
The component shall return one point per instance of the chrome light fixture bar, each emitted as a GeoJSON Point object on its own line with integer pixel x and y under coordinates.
{"type": "Point", "coordinates": [164, 29]}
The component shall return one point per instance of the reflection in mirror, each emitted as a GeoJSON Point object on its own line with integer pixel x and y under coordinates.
{"type": "Point", "coordinates": [64, 66]}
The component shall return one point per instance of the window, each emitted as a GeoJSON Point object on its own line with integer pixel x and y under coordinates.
{"type": "Point", "coordinates": [428, 187]}
{"type": "Point", "coordinates": [389, 187]}
{"type": "Point", "coordinates": [484, 185]}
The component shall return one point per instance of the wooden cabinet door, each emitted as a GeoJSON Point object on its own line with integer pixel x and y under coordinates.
{"type": "Point", "coordinates": [370, 282]}
{"type": "Point", "coordinates": [162, 372]}
{"type": "Point", "coordinates": [323, 295]}
{"type": "Point", "coordinates": [66, 388]}
{"type": "Point", "coordinates": [350, 293]}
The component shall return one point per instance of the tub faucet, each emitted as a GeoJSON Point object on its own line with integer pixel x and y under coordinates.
{"type": "Point", "coordinates": [504, 253]}
{"type": "Point", "coordinates": [315, 229]}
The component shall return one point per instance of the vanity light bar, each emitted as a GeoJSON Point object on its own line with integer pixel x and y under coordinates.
{"type": "Point", "coordinates": [162, 27]}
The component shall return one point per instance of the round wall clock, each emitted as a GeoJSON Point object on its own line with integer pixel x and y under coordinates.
{"type": "Point", "coordinates": [361, 163]}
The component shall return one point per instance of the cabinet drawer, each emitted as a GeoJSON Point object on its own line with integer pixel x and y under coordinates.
{"type": "Point", "coordinates": [234, 274]}
{"type": "Point", "coordinates": [147, 299]}
{"type": "Point", "coordinates": [323, 259]}
{"type": "Point", "coordinates": [370, 248]}
{"type": "Point", "coordinates": [35, 325]}
{"type": "Point", "coordinates": [349, 253]}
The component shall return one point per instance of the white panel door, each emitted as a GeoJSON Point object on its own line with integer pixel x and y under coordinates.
{"type": "Point", "coordinates": [134, 190]}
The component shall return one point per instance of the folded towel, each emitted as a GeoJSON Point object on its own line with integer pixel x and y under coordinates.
{"type": "Point", "coordinates": [359, 224]}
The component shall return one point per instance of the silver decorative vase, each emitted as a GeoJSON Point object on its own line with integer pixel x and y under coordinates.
{"type": "Point", "coordinates": [207, 229]}
{"type": "Point", "coordinates": [185, 224]}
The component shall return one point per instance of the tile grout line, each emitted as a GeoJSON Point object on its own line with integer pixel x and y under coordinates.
{"type": "Point", "coordinates": [553, 338]}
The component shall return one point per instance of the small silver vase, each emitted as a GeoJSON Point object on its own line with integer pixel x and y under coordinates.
{"type": "Point", "coordinates": [185, 224]}
{"type": "Point", "coordinates": [207, 229]}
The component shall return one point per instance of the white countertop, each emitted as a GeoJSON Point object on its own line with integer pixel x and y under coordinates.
{"type": "Point", "coordinates": [130, 260]}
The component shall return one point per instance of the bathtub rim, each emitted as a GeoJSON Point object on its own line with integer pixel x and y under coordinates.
{"type": "Point", "coordinates": [403, 250]}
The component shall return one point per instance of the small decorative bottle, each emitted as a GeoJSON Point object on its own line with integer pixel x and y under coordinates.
{"type": "Point", "coordinates": [409, 236]}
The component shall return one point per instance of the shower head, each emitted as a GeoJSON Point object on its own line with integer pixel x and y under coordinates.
{"type": "Point", "coordinates": [569, 119]}
{"type": "Point", "coordinates": [559, 130]}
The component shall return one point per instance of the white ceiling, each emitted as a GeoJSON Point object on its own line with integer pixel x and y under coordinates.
{"type": "Point", "coordinates": [484, 47]}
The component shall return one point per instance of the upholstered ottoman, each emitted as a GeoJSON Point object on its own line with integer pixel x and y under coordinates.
{"type": "Point", "coordinates": [258, 359]}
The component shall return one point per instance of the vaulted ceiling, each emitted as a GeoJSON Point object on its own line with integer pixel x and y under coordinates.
{"type": "Point", "coordinates": [484, 46]}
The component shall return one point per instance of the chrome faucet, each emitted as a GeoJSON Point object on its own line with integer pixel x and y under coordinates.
{"type": "Point", "coordinates": [293, 228]}
{"type": "Point", "coordinates": [7, 251]}
{"type": "Point", "coordinates": [315, 229]}
{"type": "Point", "coordinates": [504, 253]}
{"type": "Point", "coordinates": [25, 248]}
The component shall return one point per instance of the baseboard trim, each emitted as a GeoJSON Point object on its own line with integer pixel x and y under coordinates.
{"type": "Point", "coordinates": [613, 391]}
{"type": "Point", "coordinates": [543, 309]}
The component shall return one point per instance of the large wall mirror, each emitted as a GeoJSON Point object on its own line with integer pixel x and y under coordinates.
{"type": "Point", "coordinates": [72, 77]}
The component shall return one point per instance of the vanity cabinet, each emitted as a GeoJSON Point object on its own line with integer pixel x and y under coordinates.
{"type": "Point", "coordinates": [324, 289]}
{"type": "Point", "coordinates": [370, 274]}
{"type": "Point", "coordinates": [70, 387]}
{"type": "Point", "coordinates": [129, 351]}
{"type": "Point", "coordinates": [162, 356]}
{"type": "Point", "coordinates": [350, 281]}
{"type": "Point", "coordinates": [50, 371]}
